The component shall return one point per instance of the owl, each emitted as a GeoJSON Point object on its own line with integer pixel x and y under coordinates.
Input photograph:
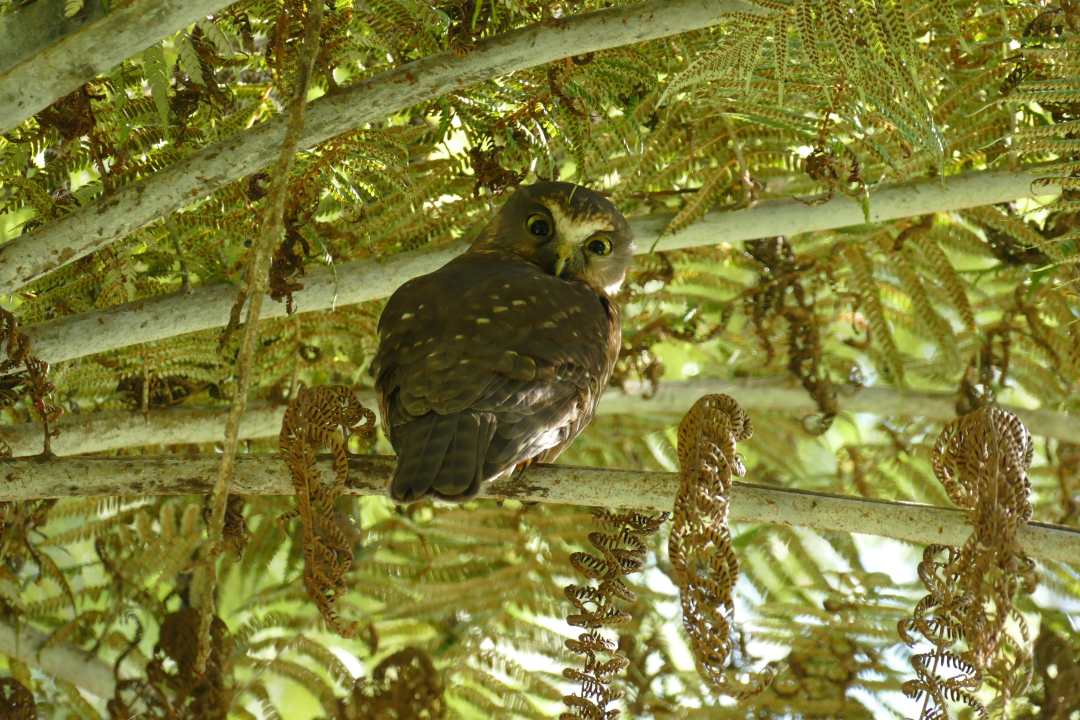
{"type": "Point", "coordinates": [497, 359]}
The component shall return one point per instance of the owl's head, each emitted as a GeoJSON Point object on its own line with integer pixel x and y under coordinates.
{"type": "Point", "coordinates": [567, 230]}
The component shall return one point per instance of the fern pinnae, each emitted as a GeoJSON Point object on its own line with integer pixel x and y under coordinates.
{"type": "Point", "coordinates": [862, 269]}
{"type": "Point", "coordinates": [934, 258]}
{"type": "Point", "coordinates": [931, 321]}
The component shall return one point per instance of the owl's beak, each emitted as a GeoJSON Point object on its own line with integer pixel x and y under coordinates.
{"type": "Point", "coordinates": [563, 253]}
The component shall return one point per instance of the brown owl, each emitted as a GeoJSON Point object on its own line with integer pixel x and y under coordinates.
{"type": "Point", "coordinates": [499, 357]}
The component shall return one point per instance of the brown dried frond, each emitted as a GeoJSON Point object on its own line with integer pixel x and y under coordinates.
{"type": "Point", "coordinates": [703, 563]}
{"type": "Point", "coordinates": [404, 686]}
{"type": "Point", "coordinates": [16, 702]}
{"type": "Point", "coordinates": [623, 551]}
{"type": "Point", "coordinates": [1020, 329]}
{"type": "Point", "coordinates": [488, 170]}
{"type": "Point", "coordinates": [20, 524]}
{"type": "Point", "coordinates": [235, 532]}
{"type": "Point", "coordinates": [182, 693]}
{"type": "Point", "coordinates": [832, 163]}
{"type": "Point", "coordinates": [178, 643]}
{"type": "Point", "coordinates": [287, 265]}
{"type": "Point", "coordinates": [1068, 474]}
{"type": "Point", "coordinates": [982, 460]}
{"type": "Point", "coordinates": [317, 418]}
{"type": "Point", "coordinates": [72, 115]}
{"type": "Point", "coordinates": [1057, 665]}
{"type": "Point", "coordinates": [835, 166]}
{"type": "Point", "coordinates": [32, 381]}
{"type": "Point", "coordinates": [822, 667]}
{"type": "Point", "coordinates": [782, 276]}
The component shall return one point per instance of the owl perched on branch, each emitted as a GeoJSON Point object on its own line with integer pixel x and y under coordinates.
{"type": "Point", "coordinates": [498, 358]}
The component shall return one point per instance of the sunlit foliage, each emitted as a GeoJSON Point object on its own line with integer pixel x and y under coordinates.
{"type": "Point", "coordinates": [460, 611]}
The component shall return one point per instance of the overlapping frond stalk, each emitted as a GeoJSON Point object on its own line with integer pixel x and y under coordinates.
{"type": "Point", "coordinates": [622, 552]}
{"type": "Point", "coordinates": [703, 561]}
{"type": "Point", "coordinates": [317, 418]}
{"type": "Point", "coordinates": [256, 281]}
{"type": "Point", "coordinates": [969, 616]}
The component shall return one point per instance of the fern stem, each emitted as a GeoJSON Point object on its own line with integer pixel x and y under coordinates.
{"type": "Point", "coordinates": [29, 479]}
{"type": "Point", "coordinates": [255, 286]}
{"type": "Point", "coordinates": [112, 430]}
{"type": "Point", "coordinates": [362, 280]}
{"type": "Point", "coordinates": [44, 56]}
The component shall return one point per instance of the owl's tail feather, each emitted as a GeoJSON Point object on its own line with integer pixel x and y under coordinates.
{"type": "Point", "coordinates": [441, 455]}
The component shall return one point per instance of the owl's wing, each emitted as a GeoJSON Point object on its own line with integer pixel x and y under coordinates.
{"type": "Point", "coordinates": [485, 364]}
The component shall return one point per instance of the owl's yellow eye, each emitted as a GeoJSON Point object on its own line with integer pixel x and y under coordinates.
{"type": "Point", "coordinates": [599, 245]}
{"type": "Point", "coordinates": [538, 225]}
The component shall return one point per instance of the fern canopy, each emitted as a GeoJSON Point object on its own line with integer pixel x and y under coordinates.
{"type": "Point", "coordinates": [786, 104]}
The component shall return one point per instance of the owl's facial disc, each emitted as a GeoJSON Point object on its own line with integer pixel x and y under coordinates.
{"type": "Point", "coordinates": [571, 236]}
{"type": "Point", "coordinates": [566, 230]}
